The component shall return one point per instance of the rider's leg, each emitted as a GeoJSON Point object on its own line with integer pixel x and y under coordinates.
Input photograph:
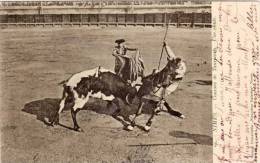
{"type": "Point", "coordinates": [121, 67]}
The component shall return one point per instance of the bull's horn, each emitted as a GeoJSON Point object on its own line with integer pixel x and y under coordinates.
{"type": "Point", "coordinates": [127, 99]}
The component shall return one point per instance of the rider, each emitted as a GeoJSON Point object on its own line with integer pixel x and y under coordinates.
{"type": "Point", "coordinates": [119, 52]}
{"type": "Point", "coordinates": [181, 67]}
{"type": "Point", "coordinates": [170, 83]}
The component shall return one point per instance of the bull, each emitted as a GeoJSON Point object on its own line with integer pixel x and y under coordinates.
{"type": "Point", "coordinates": [96, 83]}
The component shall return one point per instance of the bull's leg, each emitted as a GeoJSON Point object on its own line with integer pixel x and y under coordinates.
{"type": "Point", "coordinates": [55, 120]}
{"type": "Point", "coordinates": [139, 112]}
{"type": "Point", "coordinates": [118, 109]}
{"type": "Point", "coordinates": [173, 112]}
{"type": "Point", "coordinates": [109, 104]}
{"type": "Point", "coordinates": [78, 104]}
{"type": "Point", "coordinates": [62, 105]}
{"type": "Point", "coordinates": [116, 102]}
{"type": "Point", "coordinates": [74, 118]}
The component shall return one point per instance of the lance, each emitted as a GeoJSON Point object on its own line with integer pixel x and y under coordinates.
{"type": "Point", "coordinates": [164, 38]}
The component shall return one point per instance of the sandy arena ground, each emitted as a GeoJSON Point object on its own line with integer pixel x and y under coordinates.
{"type": "Point", "coordinates": [34, 60]}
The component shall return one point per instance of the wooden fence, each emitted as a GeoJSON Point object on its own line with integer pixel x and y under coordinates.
{"type": "Point", "coordinates": [157, 19]}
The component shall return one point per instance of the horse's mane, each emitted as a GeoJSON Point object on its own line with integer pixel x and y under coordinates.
{"type": "Point", "coordinates": [161, 76]}
{"type": "Point", "coordinates": [158, 77]}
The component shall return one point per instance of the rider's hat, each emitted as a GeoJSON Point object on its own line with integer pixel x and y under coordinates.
{"type": "Point", "coordinates": [119, 41]}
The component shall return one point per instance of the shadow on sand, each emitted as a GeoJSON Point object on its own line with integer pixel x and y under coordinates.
{"type": "Point", "coordinates": [197, 138]}
{"type": "Point", "coordinates": [45, 110]}
{"type": "Point", "coordinates": [203, 82]}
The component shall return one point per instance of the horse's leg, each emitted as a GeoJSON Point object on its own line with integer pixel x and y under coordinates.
{"type": "Point", "coordinates": [139, 112]}
{"type": "Point", "coordinates": [148, 125]}
{"type": "Point", "coordinates": [173, 112]}
{"type": "Point", "coordinates": [156, 110]}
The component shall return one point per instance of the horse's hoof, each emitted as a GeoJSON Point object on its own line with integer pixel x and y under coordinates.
{"type": "Point", "coordinates": [147, 128]}
{"type": "Point", "coordinates": [114, 115]}
{"type": "Point", "coordinates": [182, 117]}
{"type": "Point", "coordinates": [56, 122]}
{"type": "Point", "coordinates": [79, 129]}
{"type": "Point", "coordinates": [129, 127]}
{"type": "Point", "coordinates": [50, 125]}
{"type": "Point", "coordinates": [157, 112]}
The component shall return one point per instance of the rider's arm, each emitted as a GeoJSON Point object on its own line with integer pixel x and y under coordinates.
{"type": "Point", "coordinates": [169, 52]}
{"type": "Point", "coordinates": [131, 49]}
{"type": "Point", "coordinates": [124, 56]}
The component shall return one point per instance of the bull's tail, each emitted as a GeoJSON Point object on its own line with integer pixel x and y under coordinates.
{"type": "Point", "coordinates": [63, 82]}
